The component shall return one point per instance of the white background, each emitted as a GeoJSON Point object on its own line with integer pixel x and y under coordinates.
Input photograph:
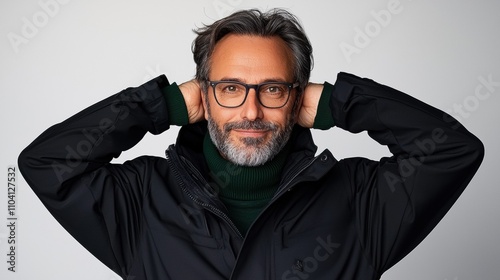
{"type": "Point", "coordinates": [60, 57]}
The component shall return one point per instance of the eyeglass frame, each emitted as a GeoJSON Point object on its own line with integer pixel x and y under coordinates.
{"type": "Point", "coordinates": [256, 87]}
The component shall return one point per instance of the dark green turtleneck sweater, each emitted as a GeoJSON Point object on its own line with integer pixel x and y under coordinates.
{"type": "Point", "coordinates": [245, 191]}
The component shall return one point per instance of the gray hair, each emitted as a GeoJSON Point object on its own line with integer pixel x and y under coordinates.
{"type": "Point", "coordinates": [276, 22]}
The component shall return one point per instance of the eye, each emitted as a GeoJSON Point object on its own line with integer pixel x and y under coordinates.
{"type": "Point", "coordinates": [230, 88]}
{"type": "Point", "coordinates": [274, 89]}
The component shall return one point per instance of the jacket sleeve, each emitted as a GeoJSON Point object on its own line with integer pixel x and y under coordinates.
{"type": "Point", "coordinates": [68, 167]}
{"type": "Point", "coordinates": [400, 199]}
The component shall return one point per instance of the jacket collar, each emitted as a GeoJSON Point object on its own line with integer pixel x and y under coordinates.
{"type": "Point", "coordinates": [301, 161]}
{"type": "Point", "coordinates": [189, 145]}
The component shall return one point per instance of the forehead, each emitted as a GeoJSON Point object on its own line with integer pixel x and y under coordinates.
{"type": "Point", "coordinates": [251, 59]}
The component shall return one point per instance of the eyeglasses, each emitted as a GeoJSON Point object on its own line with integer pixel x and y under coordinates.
{"type": "Point", "coordinates": [232, 94]}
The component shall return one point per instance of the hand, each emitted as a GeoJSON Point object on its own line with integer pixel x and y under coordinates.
{"type": "Point", "coordinates": [309, 107]}
{"type": "Point", "coordinates": [192, 96]}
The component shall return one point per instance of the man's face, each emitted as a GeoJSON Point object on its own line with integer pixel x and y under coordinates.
{"type": "Point", "coordinates": [251, 134]}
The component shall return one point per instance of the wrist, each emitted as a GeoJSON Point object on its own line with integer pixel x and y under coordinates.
{"type": "Point", "coordinates": [176, 106]}
{"type": "Point", "coordinates": [324, 115]}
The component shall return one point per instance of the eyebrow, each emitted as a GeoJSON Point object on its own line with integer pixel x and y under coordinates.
{"type": "Point", "coordinates": [268, 80]}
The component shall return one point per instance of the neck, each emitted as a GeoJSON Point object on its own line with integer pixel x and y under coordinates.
{"type": "Point", "coordinates": [243, 182]}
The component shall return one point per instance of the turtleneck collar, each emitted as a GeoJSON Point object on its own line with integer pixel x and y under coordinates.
{"type": "Point", "coordinates": [242, 182]}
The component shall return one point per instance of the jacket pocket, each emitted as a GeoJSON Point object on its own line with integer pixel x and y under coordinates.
{"type": "Point", "coordinates": [308, 254]}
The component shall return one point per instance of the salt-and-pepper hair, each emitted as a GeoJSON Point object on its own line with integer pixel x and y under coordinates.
{"type": "Point", "coordinates": [276, 22]}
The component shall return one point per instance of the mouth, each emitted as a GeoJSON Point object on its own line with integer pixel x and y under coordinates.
{"type": "Point", "coordinates": [250, 131]}
{"type": "Point", "coordinates": [253, 133]}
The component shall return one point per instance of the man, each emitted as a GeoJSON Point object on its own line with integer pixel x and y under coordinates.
{"type": "Point", "coordinates": [241, 195]}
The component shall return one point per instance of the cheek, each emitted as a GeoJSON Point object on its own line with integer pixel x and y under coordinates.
{"type": "Point", "coordinates": [280, 118]}
{"type": "Point", "coordinates": [218, 114]}
{"type": "Point", "coordinates": [293, 109]}
{"type": "Point", "coordinates": [285, 114]}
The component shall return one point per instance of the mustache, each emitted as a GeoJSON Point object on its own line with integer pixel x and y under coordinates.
{"type": "Point", "coordinates": [256, 125]}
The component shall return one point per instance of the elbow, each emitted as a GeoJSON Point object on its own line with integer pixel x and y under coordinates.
{"type": "Point", "coordinates": [31, 167]}
{"type": "Point", "coordinates": [477, 149]}
{"type": "Point", "coordinates": [23, 163]}
{"type": "Point", "coordinates": [471, 156]}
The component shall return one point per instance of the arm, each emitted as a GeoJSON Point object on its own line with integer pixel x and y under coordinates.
{"type": "Point", "coordinates": [399, 199]}
{"type": "Point", "coordinates": [68, 167]}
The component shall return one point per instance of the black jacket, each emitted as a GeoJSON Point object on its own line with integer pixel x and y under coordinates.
{"type": "Point", "coordinates": [160, 218]}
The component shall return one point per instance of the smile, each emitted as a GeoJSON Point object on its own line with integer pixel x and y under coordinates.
{"type": "Point", "coordinates": [251, 132]}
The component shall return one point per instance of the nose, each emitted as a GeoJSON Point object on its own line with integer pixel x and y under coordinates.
{"type": "Point", "coordinates": [251, 109]}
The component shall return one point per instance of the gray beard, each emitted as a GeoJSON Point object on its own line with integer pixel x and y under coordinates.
{"type": "Point", "coordinates": [255, 152]}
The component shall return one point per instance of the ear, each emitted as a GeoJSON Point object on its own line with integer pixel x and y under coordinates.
{"type": "Point", "coordinates": [298, 106]}
{"type": "Point", "coordinates": [204, 101]}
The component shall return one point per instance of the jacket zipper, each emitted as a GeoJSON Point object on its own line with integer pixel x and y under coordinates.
{"type": "Point", "coordinates": [216, 211]}
{"type": "Point", "coordinates": [284, 188]}
{"type": "Point", "coordinates": [296, 174]}
{"type": "Point", "coordinates": [275, 197]}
